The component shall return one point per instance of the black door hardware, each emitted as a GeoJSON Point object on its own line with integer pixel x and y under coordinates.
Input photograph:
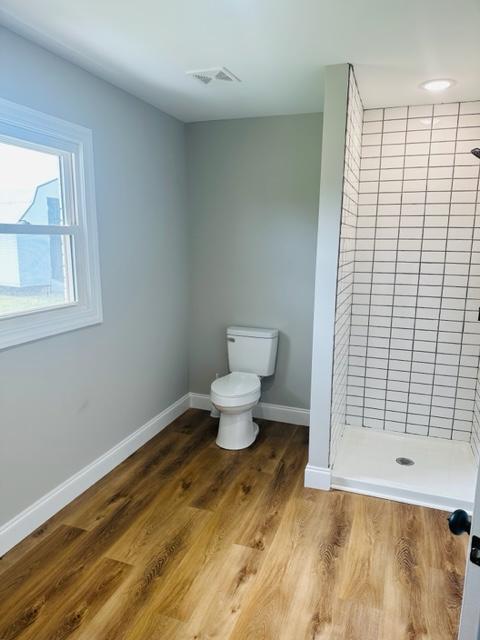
{"type": "Point", "coordinates": [475, 551]}
{"type": "Point", "coordinates": [459, 522]}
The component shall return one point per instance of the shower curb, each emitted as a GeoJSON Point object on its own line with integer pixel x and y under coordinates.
{"type": "Point", "coordinates": [399, 493]}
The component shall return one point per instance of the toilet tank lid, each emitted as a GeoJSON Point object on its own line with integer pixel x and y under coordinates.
{"type": "Point", "coordinates": [252, 332]}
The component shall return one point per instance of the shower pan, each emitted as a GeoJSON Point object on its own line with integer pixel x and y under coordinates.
{"type": "Point", "coordinates": [405, 415]}
{"type": "Point", "coordinates": [440, 473]}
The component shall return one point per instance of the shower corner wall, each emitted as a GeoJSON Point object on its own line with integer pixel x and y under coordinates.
{"type": "Point", "coordinates": [406, 334]}
{"type": "Point", "coordinates": [317, 472]}
{"type": "Point", "coordinates": [346, 260]}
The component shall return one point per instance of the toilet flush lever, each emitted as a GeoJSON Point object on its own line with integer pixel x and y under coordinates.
{"type": "Point", "coordinates": [231, 339]}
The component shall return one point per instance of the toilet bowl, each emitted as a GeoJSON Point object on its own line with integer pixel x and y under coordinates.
{"type": "Point", "coordinates": [234, 395]}
{"type": "Point", "coordinates": [251, 356]}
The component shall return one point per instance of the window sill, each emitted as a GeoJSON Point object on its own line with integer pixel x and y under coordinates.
{"type": "Point", "coordinates": [39, 324]}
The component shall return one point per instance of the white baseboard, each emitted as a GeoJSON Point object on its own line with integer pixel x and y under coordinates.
{"type": "Point", "coordinates": [399, 494]}
{"type": "Point", "coordinates": [40, 511]}
{"type": "Point", "coordinates": [200, 401]}
{"type": "Point", "coordinates": [317, 477]}
{"type": "Point", "coordinates": [263, 410]}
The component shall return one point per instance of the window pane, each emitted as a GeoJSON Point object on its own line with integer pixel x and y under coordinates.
{"type": "Point", "coordinates": [35, 272]}
{"type": "Point", "coordinates": [30, 186]}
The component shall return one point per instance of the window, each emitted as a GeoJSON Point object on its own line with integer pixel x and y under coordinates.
{"type": "Point", "coordinates": [49, 276]}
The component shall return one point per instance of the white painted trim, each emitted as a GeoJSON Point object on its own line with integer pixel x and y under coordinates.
{"type": "Point", "coordinates": [12, 532]}
{"type": "Point", "coordinates": [200, 401]}
{"type": "Point", "coordinates": [399, 493]}
{"type": "Point", "coordinates": [38, 129]}
{"type": "Point", "coordinates": [470, 614]}
{"type": "Point", "coordinates": [263, 410]}
{"type": "Point", "coordinates": [317, 477]}
{"type": "Point", "coordinates": [282, 413]}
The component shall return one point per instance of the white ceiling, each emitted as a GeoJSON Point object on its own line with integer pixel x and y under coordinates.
{"type": "Point", "coordinates": [277, 47]}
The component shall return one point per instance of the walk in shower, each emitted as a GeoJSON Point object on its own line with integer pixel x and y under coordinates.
{"type": "Point", "coordinates": [405, 417]}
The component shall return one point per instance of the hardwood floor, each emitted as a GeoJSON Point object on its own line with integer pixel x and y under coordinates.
{"type": "Point", "coordinates": [185, 541]}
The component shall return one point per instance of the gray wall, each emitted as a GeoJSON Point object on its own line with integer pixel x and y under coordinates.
{"type": "Point", "coordinates": [65, 400]}
{"type": "Point", "coordinates": [253, 205]}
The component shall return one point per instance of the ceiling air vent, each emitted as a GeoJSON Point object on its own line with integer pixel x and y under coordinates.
{"type": "Point", "coordinates": [219, 74]}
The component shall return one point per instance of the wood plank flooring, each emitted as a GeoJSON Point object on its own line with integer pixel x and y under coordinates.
{"type": "Point", "coordinates": [185, 541]}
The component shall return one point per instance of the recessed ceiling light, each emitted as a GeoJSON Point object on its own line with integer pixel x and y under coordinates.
{"type": "Point", "coordinates": [437, 85]}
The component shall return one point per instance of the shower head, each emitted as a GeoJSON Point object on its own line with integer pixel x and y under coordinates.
{"type": "Point", "coordinates": [476, 152]}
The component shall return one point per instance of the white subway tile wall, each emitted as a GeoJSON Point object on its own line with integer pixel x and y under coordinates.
{"type": "Point", "coordinates": [346, 258]}
{"type": "Point", "coordinates": [475, 439]}
{"type": "Point", "coordinates": [415, 337]}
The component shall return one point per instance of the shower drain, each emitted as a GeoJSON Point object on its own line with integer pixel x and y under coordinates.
{"type": "Point", "coordinates": [405, 462]}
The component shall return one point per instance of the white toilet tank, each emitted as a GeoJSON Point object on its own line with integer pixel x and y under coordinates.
{"type": "Point", "coordinates": [252, 350]}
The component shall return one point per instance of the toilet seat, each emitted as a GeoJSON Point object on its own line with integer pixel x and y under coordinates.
{"type": "Point", "coordinates": [236, 389]}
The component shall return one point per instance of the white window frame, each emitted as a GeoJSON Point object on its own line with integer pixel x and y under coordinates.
{"type": "Point", "coordinates": [36, 129]}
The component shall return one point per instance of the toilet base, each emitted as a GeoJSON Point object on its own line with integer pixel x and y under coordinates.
{"type": "Point", "coordinates": [237, 430]}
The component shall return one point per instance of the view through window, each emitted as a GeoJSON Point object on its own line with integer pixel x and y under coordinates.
{"type": "Point", "coordinates": [36, 268]}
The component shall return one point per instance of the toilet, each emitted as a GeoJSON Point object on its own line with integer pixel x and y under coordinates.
{"type": "Point", "coordinates": [251, 356]}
